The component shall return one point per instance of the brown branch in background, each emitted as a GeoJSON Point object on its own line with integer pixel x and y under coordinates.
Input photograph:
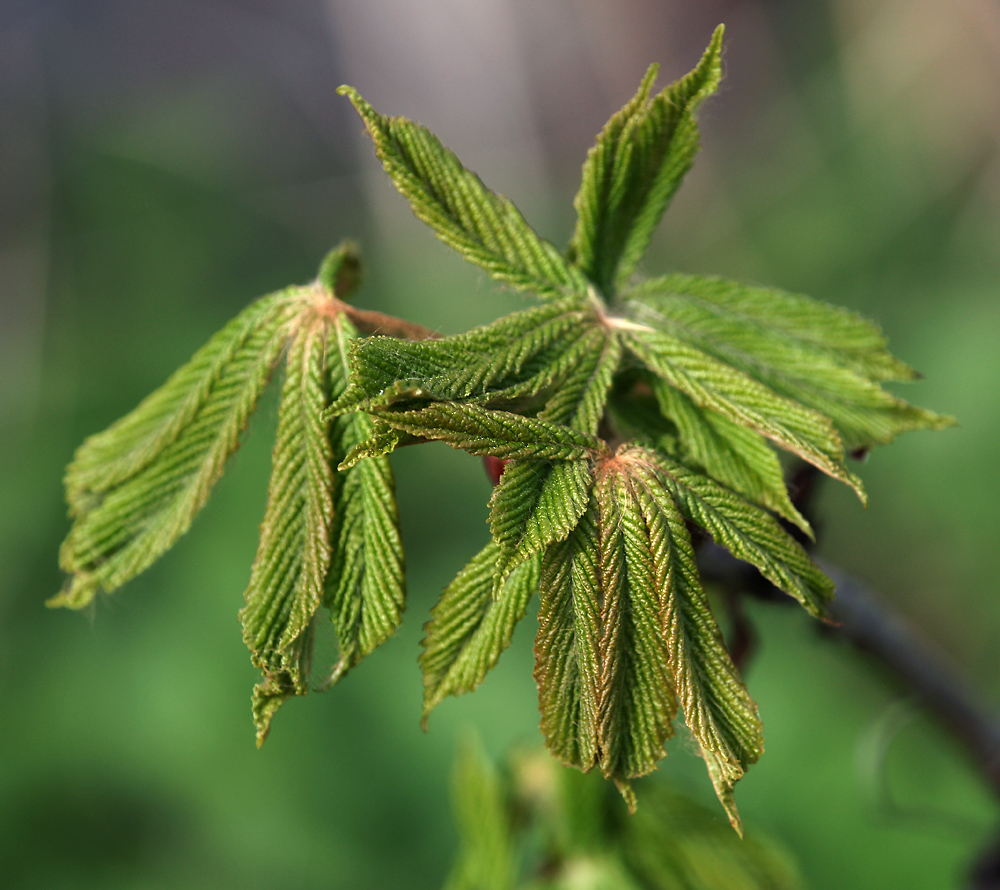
{"type": "Point", "coordinates": [870, 624]}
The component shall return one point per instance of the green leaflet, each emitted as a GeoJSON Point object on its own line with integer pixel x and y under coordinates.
{"type": "Point", "coordinates": [717, 386]}
{"type": "Point", "coordinates": [632, 172]}
{"type": "Point", "coordinates": [833, 331]}
{"type": "Point", "coordinates": [365, 590]}
{"type": "Point", "coordinates": [485, 363]}
{"type": "Point", "coordinates": [293, 557]}
{"type": "Point", "coordinates": [636, 701]}
{"type": "Point", "coordinates": [567, 663]}
{"type": "Point", "coordinates": [736, 456]}
{"type": "Point", "coordinates": [534, 504]}
{"type": "Point", "coordinates": [135, 488]}
{"type": "Point", "coordinates": [764, 333]}
{"type": "Point", "coordinates": [469, 628]}
{"type": "Point", "coordinates": [484, 227]}
{"type": "Point", "coordinates": [499, 433]}
{"type": "Point", "coordinates": [748, 533]}
{"type": "Point", "coordinates": [717, 707]}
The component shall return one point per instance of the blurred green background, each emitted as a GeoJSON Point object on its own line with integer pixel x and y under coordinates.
{"type": "Point", "coordinates": [162, 164]}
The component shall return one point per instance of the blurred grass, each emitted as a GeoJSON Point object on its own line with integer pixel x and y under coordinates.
{"type": "Point", "coordinates": [126, 746]}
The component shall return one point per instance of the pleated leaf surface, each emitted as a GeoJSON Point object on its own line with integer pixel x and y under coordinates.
{"type": "Point", "coordinates": [135, 488]}
{"type": "Point", "coordinates": [632, 172]}
{"type": "Point", "coordinates": [484, 227]}
{"type": "Point", "coordinates": [834, 369]}
{"type": "Point", "coordinates": [365, 590]}
{"type": "Point", "coordinates": [293, 557]}
{"type": "Point", "coordinates": [470, 628]}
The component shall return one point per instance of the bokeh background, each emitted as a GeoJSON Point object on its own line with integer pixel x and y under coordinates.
{"type": "Point", "coordinates": [163, 163]}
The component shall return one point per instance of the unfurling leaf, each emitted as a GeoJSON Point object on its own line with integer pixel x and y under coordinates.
{"type": "Point", "coordinates": [502, 434]}
{"type": "Point", "coordinates": [717, 386]}
{"type": "Point", "coordinates": [738, 457]}
{"type": "Point", "coordinates": [749, 533]}
{"type": "Point", "coordinates": [818, 356]}
{"type": "Point", "coordinates": [469, 628]}
{"type": "Point", "coordinates": [293, 557]}
{"type": "Point", "coordinates": [520, 353]}
{"type": "Point", "coordinates": [365, 590]}
{"type": "Point", "coordinates": [135, 488]}
{"type": "Point", "coordinates": [717, 708]}
{"type": "Point", "coordinates": [625, 632]}
{"type": "Point", "coordinates": [484, 227]}
{"type": "Point", "coordinates": [634, 169]}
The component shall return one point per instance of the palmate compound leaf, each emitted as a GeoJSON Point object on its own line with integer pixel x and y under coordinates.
{"type": "Point", "coordinates": [625, 632]}
{"type": "Point", "coordinates": [484, 227]}
{"type": "Point", "coordinates": [632, 172]}
{"type": "Point", "coordinates": [328, 538]}
{"type": "Point", "coordinates": [824, 358]}
{"type": "Point", "coordinates": [135, 488]}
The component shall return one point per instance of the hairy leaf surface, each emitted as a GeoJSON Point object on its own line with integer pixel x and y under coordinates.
{"type": "Point", "coordinates": [502, 434]}
{"type": "Point", "coordinates": [483, 364]}
{"type": "Point", "coordinates": [484, 227]}
{"type": "Point", "coordinates": [293, 557]}
{"type": "Point", "coordinates": [717, 707]}
{"type": "Point", "coordinates": [750, 534]}
{"type": "Point", "coordinates": [720, 387]}
{"type": "Point", "coordinates": [470, 628]}
{"type": "Point", "coordinates": [632, 172]}
{"type": "Point", "coordinates": [135, 488]}
{"type": "Point", "coordinates": [736, 456]}
{"type": "Point", "coordinates": [534, 504]}
{"type": "Point", "coordinates": [734, 324]}
{"type": "Point", "coordinates": [636, 699]}
{"type": "Point", "coordinates": [365, 589]}
{"type": "Point", "coordinates": [567, 660]}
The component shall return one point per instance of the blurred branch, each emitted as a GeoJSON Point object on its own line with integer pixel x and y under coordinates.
{"type": "Point", "coordinates": [859, 616]}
